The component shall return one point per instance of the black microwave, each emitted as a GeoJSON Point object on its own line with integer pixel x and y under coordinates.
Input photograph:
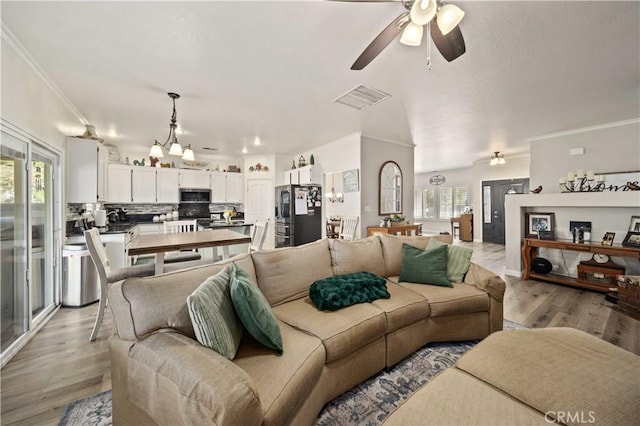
{"type": "Point", "coordinates": [188, 195]}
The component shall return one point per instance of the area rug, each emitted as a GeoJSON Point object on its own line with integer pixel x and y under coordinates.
{"type": "Point", "coordinates": [369, 403]}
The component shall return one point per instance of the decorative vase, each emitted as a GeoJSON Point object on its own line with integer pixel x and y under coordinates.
{"type": "Point", "coordinates": [293, 166]}
{"type": "Point", "coordinates": [312, 160]}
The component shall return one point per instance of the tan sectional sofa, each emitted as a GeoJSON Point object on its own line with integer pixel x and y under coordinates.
{"type": "Point", "coordinates": [161, 374]}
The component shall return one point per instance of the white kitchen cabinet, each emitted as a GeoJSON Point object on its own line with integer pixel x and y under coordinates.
{"type": "Point", "coordinates": [234, 188]}
{"type": "Point", "coordinates": [86, 170]}
{"type": "Point", "coordinates": [218, 187]}
{"type": "Point", "coordinates": [143, 185]}
{"type": "Point", "coordinates": [226, 187]}
{"type": "Point", "coordinates": [194, 179]}
{"type": "Point", "coordinates": [116, 247]}
{"type": "Point", "coordinates": [309, 175]}
{"type": "Point", "coordinates": [167, 185]}
{"type": "Point", "coordinates": [292, 177]}
{"type": "Point", "coordinates": [119, 188]}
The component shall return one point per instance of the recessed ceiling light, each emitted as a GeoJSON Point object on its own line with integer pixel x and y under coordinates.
{"type": "Point", "coordinates": [244, 150]}
{"type": "Point", "coordinates": [257, 142]}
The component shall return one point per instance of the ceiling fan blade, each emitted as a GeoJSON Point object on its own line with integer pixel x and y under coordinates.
{"type": "Point", "coordinates": [381, 41]}
{"type": "Point", "coordinates": [451, 46]}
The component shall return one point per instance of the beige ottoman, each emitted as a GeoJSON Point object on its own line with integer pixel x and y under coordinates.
{"type": "Point", "coordinates": [532, 377]}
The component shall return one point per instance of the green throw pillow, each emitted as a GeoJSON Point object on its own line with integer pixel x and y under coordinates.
{"type": "Point", "coordinates": [458, 259]}
{"type": "Point", "coordinates": [213, 317]}
{"type": "Point", "coordinates": [254, 310]}
{"type": "Point", "coordinates": [424, 267]}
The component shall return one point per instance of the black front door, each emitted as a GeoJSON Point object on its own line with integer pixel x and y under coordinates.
{"type": "Point", "coordinates": [493, 195]}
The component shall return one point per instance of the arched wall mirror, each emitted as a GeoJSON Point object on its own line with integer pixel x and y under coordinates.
{"type": "Point", "coordinates": [390, 189]}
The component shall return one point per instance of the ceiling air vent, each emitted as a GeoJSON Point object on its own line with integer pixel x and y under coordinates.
{"type": "Point", "coordinates": [362, 97]}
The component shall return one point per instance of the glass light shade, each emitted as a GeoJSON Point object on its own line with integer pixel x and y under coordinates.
{"type": "Point", "coordinates": [175, 149]}
{"type": "Point", "coordinates": [423, 11]}
{"type": "Point", "coordinates": [329, 195]}
{"type": "Point", "coordinates": [188, 154]}
{"type": "Point", "coordinates": [493, 162]}
{"type": "Point", "coordinates": [501, 160]}
{"type": "Point", "coordinates": [412, 35]}
{"type": "Point", "coordinates": [156, 151]}
{"type": "Point", "coordinates": [449, 16]}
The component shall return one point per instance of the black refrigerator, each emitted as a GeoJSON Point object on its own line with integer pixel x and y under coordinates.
{"type": "Point", "coordinates": [298, 214]}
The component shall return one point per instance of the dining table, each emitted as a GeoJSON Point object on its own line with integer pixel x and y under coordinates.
{"type": "Point", "coordinates": [158, 244]}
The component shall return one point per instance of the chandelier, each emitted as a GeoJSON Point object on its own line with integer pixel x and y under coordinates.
{"type": "Point", "coordinates": [157, 150]}
{"type": "Point", "coordinates": [497, 158]}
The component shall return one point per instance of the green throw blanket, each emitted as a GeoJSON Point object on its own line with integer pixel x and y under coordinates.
{"type": "Point", "coordinates": [340, 291]}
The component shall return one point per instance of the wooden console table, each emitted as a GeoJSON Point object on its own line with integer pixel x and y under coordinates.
{"type": "Point", "coordinates": [395, 229]}
{"type": "Point", "coordinates": [530, 252]}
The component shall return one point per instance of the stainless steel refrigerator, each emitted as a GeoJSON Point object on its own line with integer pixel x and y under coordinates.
{"type": "Point", "coordinates": [298, 214]}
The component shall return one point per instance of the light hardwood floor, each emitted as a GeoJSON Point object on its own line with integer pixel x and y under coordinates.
{"type": "Point", "coordinates": [60, 365]}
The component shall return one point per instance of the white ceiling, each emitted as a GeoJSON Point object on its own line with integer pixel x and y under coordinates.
{"type": "Point", "coordinates": [272, 69]}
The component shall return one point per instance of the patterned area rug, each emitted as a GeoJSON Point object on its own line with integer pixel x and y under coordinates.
{"type": "Point", "coordinates": [369, 403]}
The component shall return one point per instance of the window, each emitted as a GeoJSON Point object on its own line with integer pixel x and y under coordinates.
{"type": "Point", "coordinates": [450, 202]}
{"type": "Point", "coordinates": [424, 203]}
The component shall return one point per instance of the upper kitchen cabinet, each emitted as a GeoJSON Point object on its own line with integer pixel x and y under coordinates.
{"type": "Point", "coordinates": [226, 187]}
{"type": "Point", "coordinates": [194, 179]}
{"type": "Point", "coordinates": [143, 185]}
{"type": "Point", "coordinates": [119, 183]}
{"type": "Point", "coordinates": [167, 183]}
{"type": "Point", "coordinates": [305, 175]}
{"type": "Point", "coordinates": [86, 171]}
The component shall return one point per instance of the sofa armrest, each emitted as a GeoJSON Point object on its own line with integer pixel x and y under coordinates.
{"type": "Point", "coordinates": [178, 381]}
{"type": "Point", "coordinates": [486, 280]}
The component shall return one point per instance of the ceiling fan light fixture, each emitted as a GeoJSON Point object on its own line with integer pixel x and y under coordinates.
{"type": "Point", "coordinates": [449, 16]}
{"type": "Point", "coordinates": [188, 153]}
{"type": "Point", "coordinates": [412, 35]}
{"type": "Point", "coordinates": [497, 158]}
{"type": "Point", "coordinates": [423, 11]}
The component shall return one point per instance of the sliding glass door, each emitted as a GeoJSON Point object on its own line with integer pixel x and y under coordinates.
{"type": "Point", "coordinates": [13, 239]}
{"type": "Point", "coordinates": [29, 236]}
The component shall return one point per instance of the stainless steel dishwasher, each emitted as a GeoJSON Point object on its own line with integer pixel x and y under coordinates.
{"type": "Point", "coordinates": [80, 282]}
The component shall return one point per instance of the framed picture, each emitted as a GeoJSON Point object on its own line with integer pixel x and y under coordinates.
{"type": "Point", "coordinates": [635, 224]}
{"type": "Point", "coordinates": [538, 222]}
{"type": "Point", "coordinates": [351, 182]}
{"type": "Point", "coordinates": [632, 239]}
{"type": "Point", "coordinates": [607, 240]}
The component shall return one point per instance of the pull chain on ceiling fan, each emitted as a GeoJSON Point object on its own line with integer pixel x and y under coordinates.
{"type": "Point", "coordinates": [442, 27]}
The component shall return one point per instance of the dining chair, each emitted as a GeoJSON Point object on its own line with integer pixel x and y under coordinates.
{"type": "Point", "coordinates": [108, 276]}
{"type": "Point", "coordinates": [331, 230]}
{"type": "Point", "coordinates": [348, 227]}
{"type": "Point", "coordinates": [175, 226]}
{"type": "Point", "coordinates": [258, 235]}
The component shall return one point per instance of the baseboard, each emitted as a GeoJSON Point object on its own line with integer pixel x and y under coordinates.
{"type": "Point", "coordinates": [513, 273]}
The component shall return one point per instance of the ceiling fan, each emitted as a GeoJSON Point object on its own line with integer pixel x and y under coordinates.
{"type": "Point", "coordinates": [441, 19]}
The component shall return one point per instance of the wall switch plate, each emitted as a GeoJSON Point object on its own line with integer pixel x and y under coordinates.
{"type": "Point", "coordinates": [367, 208]}
{"type": "Point", "coordinates": [577, 151]}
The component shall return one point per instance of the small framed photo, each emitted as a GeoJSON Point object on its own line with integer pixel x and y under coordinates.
{"type": "Point", "coordinates": [607, 240]}
{"type": "Point", "coordinates": [536, 222]}
{"type": "Point", "coordinates": [635, 224]}
{"type": "Point", "coordinates": [547, 235]}
{"type": "Point", "coordinates": [632, 239]}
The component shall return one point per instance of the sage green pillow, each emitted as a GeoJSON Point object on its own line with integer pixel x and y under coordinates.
{"type": "Point", "coordinates": [458, 259]}
{"type": "Point", "coordinates": [424, 267]}
{"type": "Point", "coordinates": [213, 317]}
{"type": "Point", "coordinates": [254, 310]}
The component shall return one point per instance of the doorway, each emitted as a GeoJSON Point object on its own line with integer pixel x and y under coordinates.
{"type": "Point", "coordinates": [493, 196]}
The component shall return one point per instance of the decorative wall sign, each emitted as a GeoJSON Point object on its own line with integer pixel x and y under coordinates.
{"type": "Point", "coordinates": [437, 180]}
{"type": "Point", "coordinates": [350, 181]}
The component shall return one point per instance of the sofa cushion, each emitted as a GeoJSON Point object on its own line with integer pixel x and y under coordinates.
{"type": "Point", "coordinates": [403, 308]}
{"type": "Point", "coordinates": [460, 299]}
{"type": "Point", "coordinates": [392, 248]}
{"type": "Point", "coordinates": [144, 305]}
{"type": "Point", "coordinates": [283, 383]}
{"type": "Point", "coordinates": [457, 398]}
{"type": "Point", "coordinates": [560, 370]}
{"type": "Point", "coordinates": [356, 256]}
{"type": "Point", "coordinates": [339, 291]}
{"type": "Point", "coordinates": [254, 310]}
{"type": "Point", "coordinates": [285, 274]}
{"type": "Point", "coordinates": [458, 259]}
{"type": "Point", "coordinates": [178, 381]}
{"type": "Point", "coordinates": [213, 316]}
{"type": "Point", "coordinates": [424, 266]}
{"type": "Point", "coordinates": [342, 332]}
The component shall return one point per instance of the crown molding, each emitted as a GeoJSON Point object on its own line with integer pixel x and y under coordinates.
{"type": "Point", "coordinates": [585, 129]}
{"type": "Point", "coordinates": [24, 54]}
